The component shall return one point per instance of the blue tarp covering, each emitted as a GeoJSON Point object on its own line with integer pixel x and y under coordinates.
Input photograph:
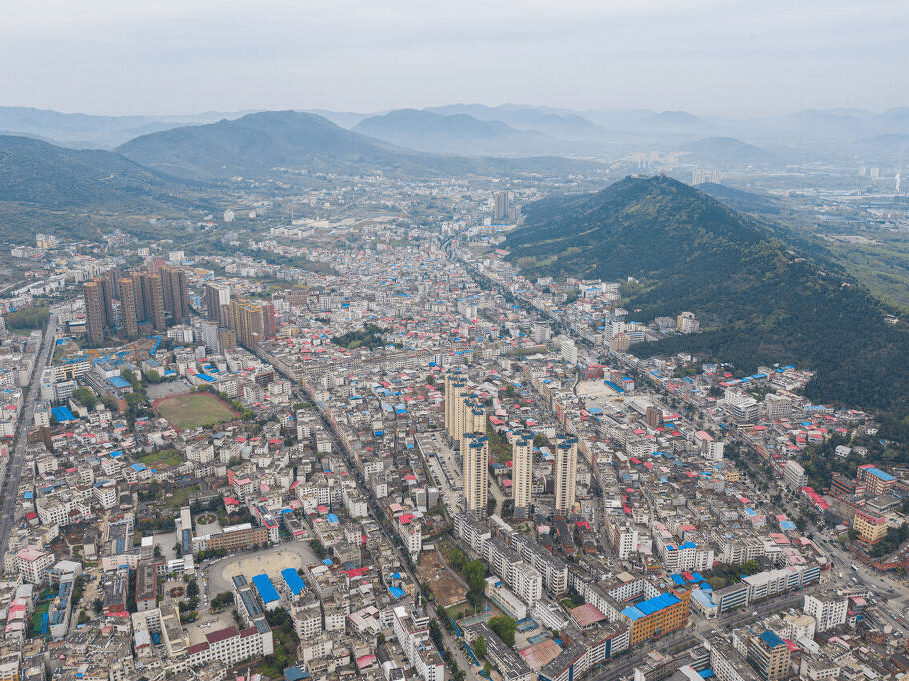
{"type": "Point", "coordinates": [265, 588]}
{"type": "Point", "coordinates": [293, 580]}
{"type": "Point", "coordinates": [678, 579]}
{"type": "Point", "coordinates": [62, 414]}
{"type": "Point", "coordinates": [396, 591]}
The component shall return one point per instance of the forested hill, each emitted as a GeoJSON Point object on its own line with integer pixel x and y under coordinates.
{"type": "Point", "coordinates": [760, 301]}
{"type": "Point", "coordinates": [36, 173]}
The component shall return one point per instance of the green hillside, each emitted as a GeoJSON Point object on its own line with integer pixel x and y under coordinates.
{"type": "Point", "coordinates": [759, 301]}
{"type": "Point", "coordinates": [83, 193]}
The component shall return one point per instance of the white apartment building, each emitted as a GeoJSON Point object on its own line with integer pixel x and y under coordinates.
{"type": "Point", "coordinates": [33, 564]}
{"type": "Point", "coordinates": [828, 611]}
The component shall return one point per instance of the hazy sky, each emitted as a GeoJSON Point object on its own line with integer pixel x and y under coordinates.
{"type": "Point", "coordinates": [708, 57]}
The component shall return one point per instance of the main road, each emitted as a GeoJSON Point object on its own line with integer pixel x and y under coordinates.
{"type": "Point", "coordinates": [10, 487]}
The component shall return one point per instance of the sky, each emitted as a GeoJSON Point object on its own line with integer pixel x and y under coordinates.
{"type": "Point", "coordinates": [724, 57]}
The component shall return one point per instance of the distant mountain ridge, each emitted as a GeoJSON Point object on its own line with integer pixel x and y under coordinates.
{"type": "Point", "coordinates": [760, 302]}
{"type": "Point", "coordinates": [88, 131]}
{"type": "Point", "coordinates": [725, 152]}
{"type": "Point", "coordinates": [560, 124]}
{"type": "Point", "coordinates": [456, 134]}
{"type": "Point", "coordinates": [257, 144]}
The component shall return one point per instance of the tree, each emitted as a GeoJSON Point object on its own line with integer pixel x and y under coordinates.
{"type": "Point", "coordinates": [86, 397]}
{"type": "Point", "coordinates": [153, 376]}
{"type": "Point", "coordinates": [457, 558]}
{"type": "Point", "coordinates": [380, 639]}
{"type": "Point", "coordinates": [479, 646]}
{"type": "Point", "coordinates": [192, 589]}
{"type": "Point", "coordinates": [505, 627]}
{"type": "Point", "coordinates": [318, 548]}
{"type": "Point", "coordinates": [98, 605]}
{"type": "Point", "coordinates": [474, 573]}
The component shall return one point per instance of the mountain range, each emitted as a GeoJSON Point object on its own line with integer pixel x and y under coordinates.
{"type": "Point", "coordinates": [758, 299]}
{"type": "Point", "coordinates": [853, 136]}
{"type": "Point", "coordinates": [88, 131]}
{"type": "Point", "coordinates": [264, 143]}
{"type": "Point", "coordinates": [457, 134]}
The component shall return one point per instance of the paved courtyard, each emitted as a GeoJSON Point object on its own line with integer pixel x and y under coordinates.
{"type": "Point", "coordinates": [270, 561]}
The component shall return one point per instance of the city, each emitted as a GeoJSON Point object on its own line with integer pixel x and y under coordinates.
{"type": "Point", "coordinates": [408, 460]}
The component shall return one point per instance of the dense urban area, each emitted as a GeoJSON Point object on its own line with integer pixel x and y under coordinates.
{"type": "Point", "coordinates": [344, 435]}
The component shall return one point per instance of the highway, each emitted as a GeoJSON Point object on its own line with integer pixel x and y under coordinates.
{"type": "Point", "coordinates": [10, 487]}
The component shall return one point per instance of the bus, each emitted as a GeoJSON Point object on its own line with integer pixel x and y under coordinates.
{"type": "Point", "coordinates": [853, 567]}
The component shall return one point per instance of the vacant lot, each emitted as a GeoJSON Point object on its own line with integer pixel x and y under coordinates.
{"type": "Point", "coordinates": [446, 586]}
{"type": "Point", "coordinates": [194, 409]}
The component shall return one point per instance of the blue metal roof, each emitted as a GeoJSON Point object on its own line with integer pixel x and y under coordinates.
{"type": "Point", "coordinates": [877, 472]}
{"type": "Point", "coordinates": [119, 382]}
{"type": "Point", "coordinates": [632, 613]}
{"type": "Point", "coordinates": [652, 605]}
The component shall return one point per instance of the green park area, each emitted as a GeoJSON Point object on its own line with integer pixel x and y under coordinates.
{"type": "Point", "coordinates": [194, 409]}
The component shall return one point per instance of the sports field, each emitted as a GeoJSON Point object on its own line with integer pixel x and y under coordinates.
{"type": "Point", "coordinates": [194, 409]}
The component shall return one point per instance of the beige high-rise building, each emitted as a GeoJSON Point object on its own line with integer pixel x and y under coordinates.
{"type": "Point", "coordinates": [473, 418]}
{"type": "Point", "coordinates": [128, 307]}
{"type": "Point", "coordinates": [455, 392]}
{"type": "Point", "coordinates": [565, 473]}
{"type": "Point", "coordinates": [175, 291]}
{"type": "Point", "coordinates": [136, 278]}
{"type": "Point", "coordinates": [95, 313]}
{"type": "Point", "coordinates": [217, 302]}
{"type": "Point", "coordinates": [475, 470]}
{"type": "Point", "coordinates": [253, 322]}
{"type": "Point", "coordinates": [153, 294]}
{"type": "Point", "coordinates": [522, 474]}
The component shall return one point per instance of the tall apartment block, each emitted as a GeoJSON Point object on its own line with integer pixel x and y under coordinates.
{"type": "Point", "coordinates": [565, 473]}
{"type": "Point", "coordinates": [522, 474]}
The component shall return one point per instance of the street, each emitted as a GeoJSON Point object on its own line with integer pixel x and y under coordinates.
{"type": "Point", "coordinates": [10, 486]}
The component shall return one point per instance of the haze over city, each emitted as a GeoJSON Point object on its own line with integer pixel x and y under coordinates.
{"type": "Point", "coordinates": [503, 341]}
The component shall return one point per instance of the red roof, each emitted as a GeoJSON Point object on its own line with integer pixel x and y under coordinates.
{"type": "Point", "coordinates": [222, 634]}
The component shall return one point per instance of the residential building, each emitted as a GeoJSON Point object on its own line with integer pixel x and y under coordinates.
{"type": "Point", "coordinates": [565, 474]}
{"type": "Point", "coordinates": [522, 474]}
{"type": "Point", "coordinates": [475, 466]}
{"type": "Point", "coordinates": [828, 610]}
{"type": "Point", "coordinates": [769, 655]}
